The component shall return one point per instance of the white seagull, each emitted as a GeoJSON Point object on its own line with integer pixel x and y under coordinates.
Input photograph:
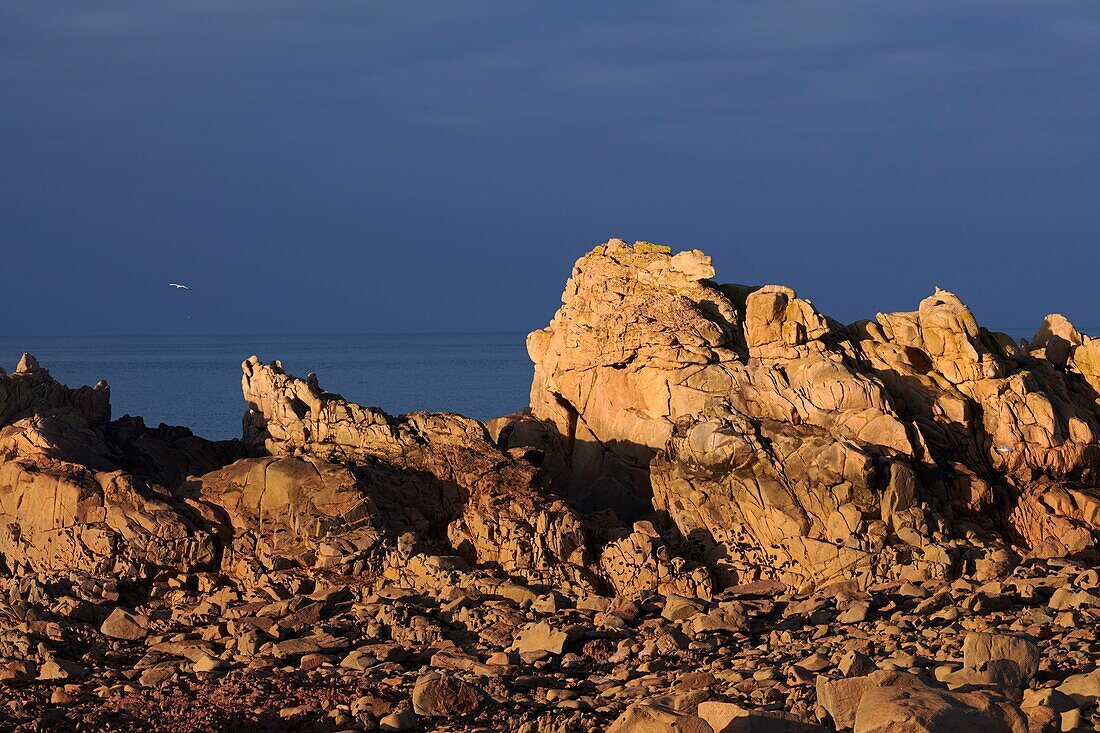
{"type": "Point", "coordinates": [1003, 449]}
{"type": "Point", "coordinates": [177, 285]}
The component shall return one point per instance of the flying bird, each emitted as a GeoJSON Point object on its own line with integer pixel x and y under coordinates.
{"type": "Point", "coordinates": [1003, 449]}
{"type": "Point", "coordinates": [177, 285]}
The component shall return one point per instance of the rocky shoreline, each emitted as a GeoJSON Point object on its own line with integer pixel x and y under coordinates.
{"type": "Point", "coordinates": [721, 511]}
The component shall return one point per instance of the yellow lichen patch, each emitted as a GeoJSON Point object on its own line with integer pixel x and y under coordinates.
{"type": "Point", "coordinates": [650, 248]}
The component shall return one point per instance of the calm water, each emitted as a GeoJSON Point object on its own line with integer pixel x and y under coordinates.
{"type": "Point", "coordinates": [196, 381]}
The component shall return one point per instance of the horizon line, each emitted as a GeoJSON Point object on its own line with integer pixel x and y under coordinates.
{"type": "Point", "coordinates": [5, 337]}
{"type": "Point", "coordinates": [268, 334]}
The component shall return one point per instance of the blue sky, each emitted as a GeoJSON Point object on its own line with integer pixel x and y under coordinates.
{"type": "Point", "coordinates": [356, 167]}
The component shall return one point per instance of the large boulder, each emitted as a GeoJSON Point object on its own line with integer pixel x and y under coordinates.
{"type": "Point", "coordinates": [726, 717]}
{"type": "Point", "coordinates": [122, 624]}
{"type": "Point", "coordinates": [645, 717]}
{"type": "Point", "coordinates": [443, 695]}
{"type": "Point", "coordinates": [896, 701]}
{"type": "Point", "coordinates": [1020, 655]}
{"type": "Point", "coordinates": [925, 709]}
{"type": "Point", "coordinates": [290, 511]}
{"type": "Point", "coordinates": [770, 499]}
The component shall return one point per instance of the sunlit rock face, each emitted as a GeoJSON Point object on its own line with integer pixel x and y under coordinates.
{"type": "Point", "coordinates": [79, 492]}
{"type": "Point", "coordinates": [778, 443]}
{"type": "Point", "coordinates": [437, 475]}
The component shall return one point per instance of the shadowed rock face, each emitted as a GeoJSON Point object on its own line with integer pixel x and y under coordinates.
{"type": "Point", "coordinates": [781, 444]}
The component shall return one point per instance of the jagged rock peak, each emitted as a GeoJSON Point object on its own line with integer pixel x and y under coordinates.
{"type": "Point", "coordinates": [30, 390]}
{"type": "Point", "coordinates": [27, 364]}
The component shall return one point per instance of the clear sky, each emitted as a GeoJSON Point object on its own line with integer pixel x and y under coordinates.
{"type": "Point", "coordinates": [439, 166]}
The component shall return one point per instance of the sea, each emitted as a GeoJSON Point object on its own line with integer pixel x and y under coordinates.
{"type": "Point", "coordinates": [195, 381]}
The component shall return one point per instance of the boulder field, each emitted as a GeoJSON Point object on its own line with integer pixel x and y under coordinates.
{"type": "Point", "coordinates": [721, 511]}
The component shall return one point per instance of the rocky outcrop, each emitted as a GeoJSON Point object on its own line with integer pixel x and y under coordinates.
{"type": "Point", "coordinates": [782, 444]}
{"type": "Point", "coordinates": [1064, 346]}
{"type": "Point", "coordinates": [743, 436]}
{"type": "Point", "coordinates": [438, 475]}
{"type": "Point", "coordinates": [30, 390]}
{"type": "Point", "coordinates": [1011, 431]}
{"type": "Point", "coordinates": [80, 492]}
{"type": "Point", "coordinates": [340, 487]}
{"type": "Point", "coordinates": [625, 356]}
{"type": "Point", "coordinates": [722, 510]}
